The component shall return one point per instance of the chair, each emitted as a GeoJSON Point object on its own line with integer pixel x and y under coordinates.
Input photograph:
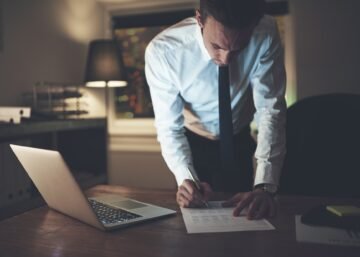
{"type": "Point", "coordinates": [323, 147]}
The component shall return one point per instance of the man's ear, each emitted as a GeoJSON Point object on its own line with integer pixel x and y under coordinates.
{"type": "Point", "coordinates": [198, 18]}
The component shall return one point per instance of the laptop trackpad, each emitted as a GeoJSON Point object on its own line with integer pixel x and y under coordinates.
{"type": "Point", "coordinates": [129, 204]}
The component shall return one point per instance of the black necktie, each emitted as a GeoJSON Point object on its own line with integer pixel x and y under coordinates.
{"type": "Point", "coordinates": [226, 126]}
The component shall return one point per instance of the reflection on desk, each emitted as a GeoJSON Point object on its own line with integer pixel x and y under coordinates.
{"type": "Point", "coordinates": [44, 232]}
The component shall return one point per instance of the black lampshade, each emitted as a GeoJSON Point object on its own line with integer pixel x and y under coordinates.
{"type": "Point", "coordinates": [104, 64]}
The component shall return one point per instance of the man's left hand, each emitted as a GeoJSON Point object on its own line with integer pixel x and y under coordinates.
{"type": "Point", "coordinates": [260, 204]}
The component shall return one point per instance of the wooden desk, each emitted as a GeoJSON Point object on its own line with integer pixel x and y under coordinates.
{"type": "Point", "coordinates": [44, 232]}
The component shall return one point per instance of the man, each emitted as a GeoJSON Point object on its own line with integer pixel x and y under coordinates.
{"type": "Point", "coordinates": [182, 68]}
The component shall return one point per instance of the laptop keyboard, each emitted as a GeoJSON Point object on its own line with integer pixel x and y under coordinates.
{"type": "Point", "coordinates": [109, 215]}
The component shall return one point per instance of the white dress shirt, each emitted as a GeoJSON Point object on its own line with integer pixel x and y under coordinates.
{"type": "Point", "coordinates": [183, 84]}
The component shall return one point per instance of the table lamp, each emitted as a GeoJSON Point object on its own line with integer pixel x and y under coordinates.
{"type": "Point", "coordinates": [104, 67]}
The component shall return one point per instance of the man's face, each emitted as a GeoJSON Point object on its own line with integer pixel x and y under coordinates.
{"type": "Point", "coordinates": [221, 42]}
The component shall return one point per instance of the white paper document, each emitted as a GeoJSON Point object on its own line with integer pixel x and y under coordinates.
{"type": "Point", "coordinates": [219, 219]}
{"type": "Point", "coordinates": [325, 235]}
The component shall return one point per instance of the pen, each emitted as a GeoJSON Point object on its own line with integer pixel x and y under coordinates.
{"type": "Point", "coordinates": [197, 184]}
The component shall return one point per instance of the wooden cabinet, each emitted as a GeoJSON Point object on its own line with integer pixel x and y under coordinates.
{"type": "Point", "coordinates": [82, 143]}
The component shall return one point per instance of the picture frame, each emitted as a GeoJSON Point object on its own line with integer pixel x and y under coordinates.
{"type": "Point", "coordinates": [133, 33]}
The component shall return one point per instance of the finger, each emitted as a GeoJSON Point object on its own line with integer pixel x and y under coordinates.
{"type": "Point", "coordinates": [242, 204]}
{"type": "Point", "coordinates": [192, 200]}
{"type": "Point", "coordinates": [189, 186]}
{"type": "Point", "coordinates": [183, 191]}
{"type": "Point", "coordinates": [263, 210]}
{"type": "Point", "coordinates": [178, 197]}
{"type": "Point", "coordinates": [254, 207]}
{"type": "Point", "coordinates": [206, 189]}
{"type": "Point", "coordinates": [186, 202]}
{"type": "Point", "coordinates": [233, 200]}
{"type": "Point", "coordinates": [183, 201]}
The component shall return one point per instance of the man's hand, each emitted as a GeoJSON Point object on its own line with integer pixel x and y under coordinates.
{"type": "Point", "coordinates": [260, 204]}
{"type": "Point", "coordinates": [189, 196]}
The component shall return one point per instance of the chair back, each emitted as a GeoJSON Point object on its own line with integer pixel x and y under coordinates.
{"type": "Point", "coordinates": [323, 147]}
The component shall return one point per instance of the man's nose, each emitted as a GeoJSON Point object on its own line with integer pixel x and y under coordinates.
{"type": "Point", "coordinates": [225, 57]}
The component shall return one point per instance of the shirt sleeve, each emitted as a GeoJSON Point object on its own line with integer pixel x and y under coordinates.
{"type": "Point", "coordinates": [268, 82]}
{"type": "Point", "coordinates": [168, 107]}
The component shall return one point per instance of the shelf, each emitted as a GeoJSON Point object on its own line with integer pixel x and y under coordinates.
{"type": "Point", "coordinates": [8, 131]}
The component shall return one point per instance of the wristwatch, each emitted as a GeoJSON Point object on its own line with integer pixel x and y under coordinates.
{"type": "Point", "coordinates": [269, 188]}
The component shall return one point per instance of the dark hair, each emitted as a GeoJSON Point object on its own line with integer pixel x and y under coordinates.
{"type": "Point", "coordinates": [235, 14]}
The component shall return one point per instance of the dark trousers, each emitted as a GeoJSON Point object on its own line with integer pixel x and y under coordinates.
{"type": "Point", "coordinates": [207, 163]}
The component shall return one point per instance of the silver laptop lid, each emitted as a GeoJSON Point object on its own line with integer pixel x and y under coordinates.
{"type": "Point", "coordinates": [52, 177]}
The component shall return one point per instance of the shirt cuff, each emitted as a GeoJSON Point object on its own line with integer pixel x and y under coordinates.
{"type": "Point", "coordinates": [182, 173]}
{"type": "Point", "coordinates": [267, 173]}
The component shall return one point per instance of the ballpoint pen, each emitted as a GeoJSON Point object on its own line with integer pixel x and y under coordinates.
{"type": "Point", "coordinates": [197, 184]}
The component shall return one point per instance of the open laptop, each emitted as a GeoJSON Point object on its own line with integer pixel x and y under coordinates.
{"type": "Point", "coordinates": [55, 182]}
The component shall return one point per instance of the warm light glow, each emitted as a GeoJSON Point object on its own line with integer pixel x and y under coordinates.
{"type": "Point", "coordinates": [96, 84]}
{"type": "Point", "coordinates": [119, 83]}
{"type": "Point", "coordinates": [112, 83]}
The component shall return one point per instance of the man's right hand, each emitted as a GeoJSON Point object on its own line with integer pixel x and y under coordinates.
{"type": "Point", "coordinates": [189, 196]}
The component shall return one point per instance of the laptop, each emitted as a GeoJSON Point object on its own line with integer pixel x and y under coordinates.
{"type": "Point", "coordinates": [55, 182]}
